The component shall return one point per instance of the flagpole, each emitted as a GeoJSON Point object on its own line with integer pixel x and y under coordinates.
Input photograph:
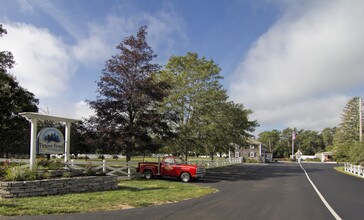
{"type": "Point", "coordinates": [293, 138]}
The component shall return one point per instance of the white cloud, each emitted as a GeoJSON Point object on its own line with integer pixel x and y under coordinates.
{"type": "Point", "coordinates": [67, 108]}
{"type": "Point", "coordinates": [313, 51]}
{"type": "Point", "coordinates": [83, 110]}
{"type": "Point", "coordinates": [42, 62]}
{"type": "Point", "coordinates": [164, 28]}
{"type": "Point", "coordinates": [47, 59]}
{"type": "Point", "coordinates": [309, 114]}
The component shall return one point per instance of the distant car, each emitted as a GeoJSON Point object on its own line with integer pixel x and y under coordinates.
{"type": "Point", "coordinates": [173, 167]}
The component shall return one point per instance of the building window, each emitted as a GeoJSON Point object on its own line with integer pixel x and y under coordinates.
{"type": "Point", "coordinates": [252, 154]}
{"type": "Point", "coordinates": [251, 147]}
{"type": "Point", "coordinates": [237, 154]}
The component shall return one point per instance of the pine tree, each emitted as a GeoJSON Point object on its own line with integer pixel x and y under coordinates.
{"type": "Point", "coordinates": [348, 131]}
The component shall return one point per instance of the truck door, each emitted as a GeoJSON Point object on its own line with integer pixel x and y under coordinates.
{"type": "Point", "coordinates": [168, 167]}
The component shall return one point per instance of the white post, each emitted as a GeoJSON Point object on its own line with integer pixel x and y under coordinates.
{"type": "Point", "coordinates": [104, 166]}
{"type": "Point", "coordinates": [129, 169]}
{"type": "Point", "coordinates": [33, 142]}
{"type": "Point", "coordinates": [293, 138]}
{"type": "Point", "coordinates": [67, 142]}
{"type": "Point", "coordinates": [360, 120]}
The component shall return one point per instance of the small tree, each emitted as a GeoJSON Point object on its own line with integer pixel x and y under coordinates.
{"type": "Point", "coordinates": [127, 107]}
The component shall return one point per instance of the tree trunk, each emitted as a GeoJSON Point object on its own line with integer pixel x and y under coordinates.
{"type": "Point", "coordinates": [212, 155]}
{"type": "Point", "coordinates": [127, 156]}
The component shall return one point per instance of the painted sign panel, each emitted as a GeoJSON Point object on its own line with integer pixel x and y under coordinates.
{"type": "Point", "coordinates": [50, 141]}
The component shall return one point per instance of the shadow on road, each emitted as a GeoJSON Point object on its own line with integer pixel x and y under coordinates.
{"type": "Point", "coordinates": [252, 172]}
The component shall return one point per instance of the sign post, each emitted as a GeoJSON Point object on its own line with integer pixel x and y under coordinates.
{"type": "Point", "coordinates": [298, 156]}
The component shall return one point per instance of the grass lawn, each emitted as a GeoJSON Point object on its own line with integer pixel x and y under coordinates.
{"type": "Point", "coordinates": [131, 193]}
{"type": "Point", "coordinates": [341, 169]}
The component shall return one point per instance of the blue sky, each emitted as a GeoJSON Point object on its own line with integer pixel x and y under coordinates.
{"type": "Point", "coordinates": [294, 63]}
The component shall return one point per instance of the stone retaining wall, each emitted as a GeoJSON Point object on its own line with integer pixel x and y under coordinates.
{"type": "Point", "coordinates": [59, 186]}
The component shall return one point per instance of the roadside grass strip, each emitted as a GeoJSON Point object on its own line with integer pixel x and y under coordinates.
{"type": "Point", "coordinates": [131, 193]}
{"type": "Point", "coordinates": [342, 170]}
{"type": "Point", "coordinates": [332, 211]}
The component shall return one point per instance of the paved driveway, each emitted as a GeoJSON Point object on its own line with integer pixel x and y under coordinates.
{"type": "Point", "coordinates": [274, 191]}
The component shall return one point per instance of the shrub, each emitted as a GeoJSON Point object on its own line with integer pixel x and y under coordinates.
{"type": "Point", "coordinates": [89, 170]}
{"type": "Point", "coordinates": [20, 173]}
{"type": "Point", "coordinates": [251, 160]}
{"type": "Point", "coordinates": [101, 157]}
{"type": "Point", "coordinates": [115, 157]}
{"type": "Point", "coordinates": [67, 174]}
{"type": "Point", "coordinates": [50, 164]}
{"type": "Point", "coordinates": [44, 175]}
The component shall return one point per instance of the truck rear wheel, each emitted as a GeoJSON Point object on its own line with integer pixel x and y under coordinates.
{"type": "Point", "coordinates": [185, 177]}
{"type": "Point", "coordinates": [148, 174]}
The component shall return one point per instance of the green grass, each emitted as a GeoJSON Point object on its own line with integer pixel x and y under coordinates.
{"type": "Point", "coordinates": [131, 193]}
{"type": "Point", "coordinates": [341, 169]}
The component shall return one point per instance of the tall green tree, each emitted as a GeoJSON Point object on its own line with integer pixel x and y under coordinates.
{"type": "Point", "coordinates": [285, 143]}
{"type": "Point", "coordinates": [127, 108]}
{"type": "Point", "coordinates": [348, 131]}
{"type": "Point", "coordinates": [14, 130]}
{"type": "Point", "coordinates": [228, 125]}
{"type": "Point", "coordinates": [309, 142]}
{"type": "Point", "coordinates": [194, 84]}
{"type": "Point", "coordinates": [207, 122]}
{"type": "Point", "coordinates": [328, 137]}
{"type": "Point", "coordinates": [271, 139]}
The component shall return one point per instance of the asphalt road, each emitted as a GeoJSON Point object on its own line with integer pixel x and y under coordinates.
{"type": "Point", "coordinates": [274, 191]}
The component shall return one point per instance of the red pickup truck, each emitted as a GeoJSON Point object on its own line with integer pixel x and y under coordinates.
{"type": "Point", "coordinates": [173, 167]}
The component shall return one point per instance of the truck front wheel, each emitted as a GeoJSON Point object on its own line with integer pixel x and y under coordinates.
{"type": "Point", "coordinates": [185, 177]}
{"type": "Point", "coordinates": [148, 174]}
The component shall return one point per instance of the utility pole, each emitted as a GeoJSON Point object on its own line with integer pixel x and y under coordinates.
{"type": "Point", "coordinates": [293, 138]}
{"type": "Point", "coordinates": [360, 120]}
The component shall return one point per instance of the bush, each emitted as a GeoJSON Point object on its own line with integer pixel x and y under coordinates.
{"type": "Point", "coordinates": [89, 170]}
{"type": "Point", "coordinates": [251, 160]}
{"type": "Point", "coordinates": [20, 173]}
{"type": "Point", "coordinates": [50, 164]}
{"type": "Point", "coordinates": [67, 174]}
{"type": "Point", "coordinates": [115, 157]}
{"type": "Point", "coordinates": [101, 157]}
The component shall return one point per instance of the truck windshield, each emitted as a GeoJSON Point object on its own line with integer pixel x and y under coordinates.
{"type": "Point", "coordinates": [180, 161]}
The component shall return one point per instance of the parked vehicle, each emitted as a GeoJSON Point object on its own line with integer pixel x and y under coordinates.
{"type": "Point", "coordinates": [173, 167]}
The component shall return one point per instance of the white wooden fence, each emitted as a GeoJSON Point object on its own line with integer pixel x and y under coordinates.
{"type": "Point", "coordinates": [116, 168]}
{"type": "Point", "coordinates": [128, 170]}
{"type": "Point", "coordinates": [217, 163]}
{"type": "Point", "coordinates": [354, 169]}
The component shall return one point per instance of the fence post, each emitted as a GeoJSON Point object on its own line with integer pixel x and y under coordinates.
{"type": "Point", "coordinates": [128, 169]}
{"type": "Point", "coordinates": [104, 166]}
